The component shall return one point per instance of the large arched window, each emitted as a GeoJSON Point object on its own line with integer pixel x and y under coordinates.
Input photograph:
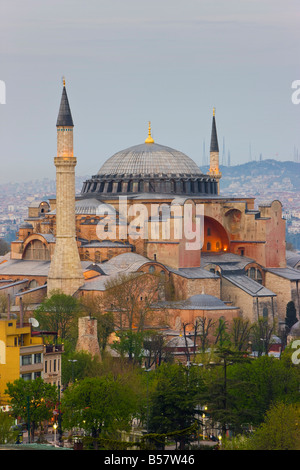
{"type": "Point", "coordinates": [36, 250]}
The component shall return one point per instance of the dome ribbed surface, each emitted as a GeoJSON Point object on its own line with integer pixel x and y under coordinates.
{"type": "Point", "coordinates": [150, 159]}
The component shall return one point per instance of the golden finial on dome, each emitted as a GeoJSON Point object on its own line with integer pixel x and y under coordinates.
{"type": "Point", "coordinates": [149, 139]}
{"type": "Point", "coordinates": [64, 81]}
{"type": "Point", "coordinates": [214, 111]}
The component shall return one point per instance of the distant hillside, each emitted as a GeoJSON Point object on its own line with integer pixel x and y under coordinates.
{"type": "Point", "coordinates": [272, 174]}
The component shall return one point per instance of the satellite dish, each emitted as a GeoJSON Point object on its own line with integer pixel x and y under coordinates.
{"type": "Point", "coordinates": [34, 322]}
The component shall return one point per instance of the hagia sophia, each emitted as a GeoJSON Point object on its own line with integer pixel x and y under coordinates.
{"type": "Point", "coordinates": [77, 243]}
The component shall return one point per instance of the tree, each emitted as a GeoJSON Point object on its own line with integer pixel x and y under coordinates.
{"type": "Point", "coordinates": [4, 247]}
{"type": "Point", "coordinates": [291, 317]}
{"type": "Point", "coordinates": [78, 365]}
{"type": "Point", "coordinates": [222, 390]}
{"type": "Point", "coordinates": [221, 333]}
{"type": "Point", "coordinates": [99, 405]}
{"type": "Point", "coordinates": [130, 298]}
{"type": "Point", "coordinates": [267, 380]}
{"type": "Point", "coordinates": [33, 401]}
{"type": "Point", "coordinates": [204, 326]}
{"type": "Point", "coordinates": [261, 335]}
{"type": "Point", "coordinates": [173, 400]}
{"type": "Point", "coordinates": [59, 313]}
{"type": "Point", "coordinates": [130, 344]}
{"type": "Point", "coordinates": [7, 433]}
{"type": "Point", "coordinates": [280, 429]}
{"type": "Point", "coordinates": [154, 347]}
{"type": "Point", "coordinates": [105, 327]}
{"type": "Point", "coordinates": [240, 333]}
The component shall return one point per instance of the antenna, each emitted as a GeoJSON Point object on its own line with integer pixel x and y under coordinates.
{"type": "Point", "coordinates": [34, 322]}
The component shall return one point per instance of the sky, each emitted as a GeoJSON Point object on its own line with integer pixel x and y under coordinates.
{"type": "Point", "coordinates": [129, 62]}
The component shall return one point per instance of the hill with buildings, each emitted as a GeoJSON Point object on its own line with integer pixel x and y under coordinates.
{"type": "Point", "coordinates": [264, 180]}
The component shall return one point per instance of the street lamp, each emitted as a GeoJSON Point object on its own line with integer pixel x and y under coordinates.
{"type": "Point", "coordinates": [55, 427]}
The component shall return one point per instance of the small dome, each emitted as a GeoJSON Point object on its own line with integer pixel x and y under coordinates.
{"type": "Point", "coordinates": [295, 329]}
{"type": "Point", "coordinates": [93, 207]}
{"type": "Point", "coordinates": [204, 300]}
{"type": "Point", "coordinates": [180, 342]}
{"type": "Point", "coordinates": [26, 225]}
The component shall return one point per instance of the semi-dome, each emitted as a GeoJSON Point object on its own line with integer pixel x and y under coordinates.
{"type": "Point", "coordinates": [149, 168]}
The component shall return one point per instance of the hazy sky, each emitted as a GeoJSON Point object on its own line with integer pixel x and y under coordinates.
{"type": "Point", "coordinates": [130, 61]}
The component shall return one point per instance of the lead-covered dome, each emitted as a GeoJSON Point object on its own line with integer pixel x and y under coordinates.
{"type": "Point", "coordinates": [149, 168]}
{"type": "Point", "coordinates": [149, 159]}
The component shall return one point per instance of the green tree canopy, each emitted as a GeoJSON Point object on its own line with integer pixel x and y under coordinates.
{"type": "Point", "coordinates": [280, 429]}
{"type": "Point", "coordinates": [59, 313]}
{"type": "Point", "coordinates": [99, 405]}
{"type": "Point", "coordinates": [291, 314]}
{"type": "Point", "coordinates": [173, 399]}
{"type": "Point", "coordinates": [33, 401]}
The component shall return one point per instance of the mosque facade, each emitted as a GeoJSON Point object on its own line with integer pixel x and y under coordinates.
{"type": "Point", "coordinates": [139, 214]}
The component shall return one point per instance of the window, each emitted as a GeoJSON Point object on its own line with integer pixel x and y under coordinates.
{"type": "Point", "coordinates": [46, 366]}
{"type": "Point", "coordinates": [208, 231]}
{"type": "Point", "coordinates": [208, 246]}
{"type": "Point", "coordinates": [38, 358]}
{"type": "Point", "coordinates": [252, 273]}
{"type": "Point", "coordinates": [26, 377]}
{"type": "Point", "coordinates": [265, 312]}
{"type": "Point", "coordinates": [151, 269]}
{"type": "Point", "coordinates": [26, 360]}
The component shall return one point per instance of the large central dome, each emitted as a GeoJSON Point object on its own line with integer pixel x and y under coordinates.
{"type": "Point", "coordinates": [149, 159]}
{"type": "Point", "coordinates": [149, 168]}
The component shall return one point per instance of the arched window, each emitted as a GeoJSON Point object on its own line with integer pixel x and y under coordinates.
{"type": "Point", "coordinates": [36, 250]}
{"type": "Point", "coordinates": [151, 269]}
{"type": "Point", "coordinates": [252, 273]}
{"type": "Point", "coordinates": [258, 276]}
{"type": "Point", "coordinates": [208, 246]}
{"type": "Point", "coordinates": [33, 283]}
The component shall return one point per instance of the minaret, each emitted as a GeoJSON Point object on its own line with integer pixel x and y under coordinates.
{"type": "Point", "coordinates": [65, 272]}
{"type": "Point", "coordinates": [214, 169]}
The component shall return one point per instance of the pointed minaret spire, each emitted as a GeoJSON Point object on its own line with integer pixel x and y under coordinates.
{"type": "Point", "coordinates": [214, 169]}
{"type": "Point", "coordinates": [214, 146]}
{"type": "Point", "coordinates": [64, 115]}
